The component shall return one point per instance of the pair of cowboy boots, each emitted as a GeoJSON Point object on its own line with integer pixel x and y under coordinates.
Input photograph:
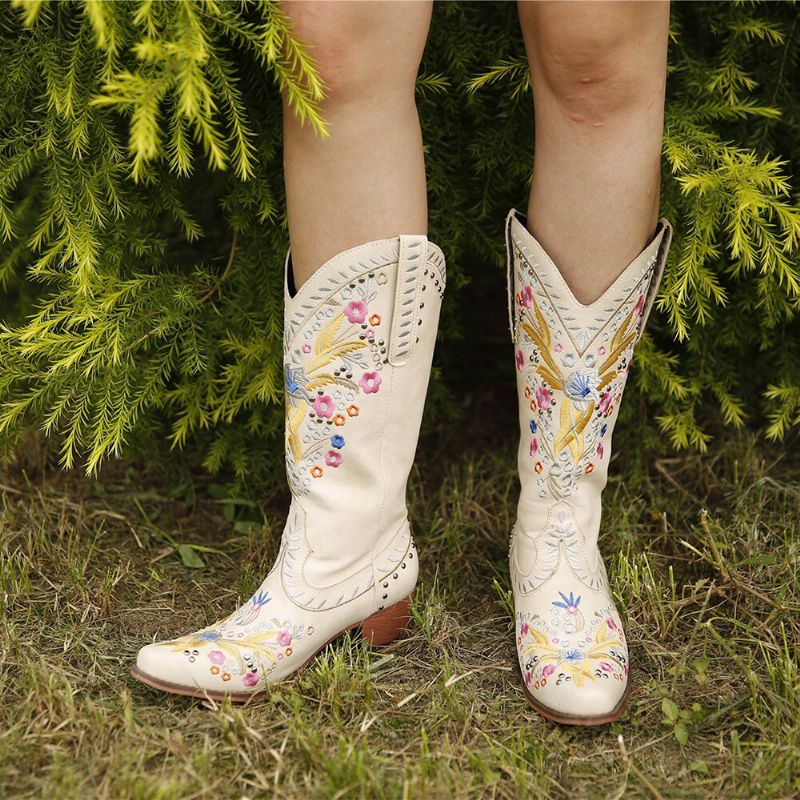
{"type": "Point", "coordinates": [358, 344]}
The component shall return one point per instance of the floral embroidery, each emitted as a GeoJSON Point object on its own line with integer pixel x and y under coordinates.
{"type": "Point", "coordinates": [250, 653]}
{"type": "Point", "coordinates": [370, 382]}
{"type": "Point", "coordinates": [333, 458]}
{"type": "Point", "coordinates": [570, 605]}
{"type": "Point", "coordinates": [340, 358]}
{"type": "Point", "coordinates": [543, 399]}
{"type": "Point", "coordinates": [562, 652]}
{"type": "Point", "coordinates": [580, 386]}
{"type": "Point", "coordinates": [247, 613]}
{"type": "Point", "coordinates": [574, 394]}
{"type": "Point", "coordinates": [323, 406]}
{"type": "Point", "coordinates": [355, 311]}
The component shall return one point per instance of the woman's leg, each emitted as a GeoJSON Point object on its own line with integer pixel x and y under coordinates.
{"type": "Point", "coordinates": [357, 354]}
{"type": "Point", "coordinates": [599, 73]}
{"type": "Point", "coordinates": [367, 179]}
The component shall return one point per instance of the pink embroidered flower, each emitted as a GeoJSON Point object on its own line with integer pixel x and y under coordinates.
{"type": "Point", "coordinates": [284, 638]}
{"type": "Point", "coordinates": [216, 657]}
{"type": "Point", "coordinates": [526, 296]}
{"type": "Point", "coordinates": [250, 678]}
{"type": "Point", "coordinates": [599, 449]}
{"type": "Point", "coordinates": [520, 360]}
{"type": "Point", "coordinates": [333, 458]}
{"type": "Point", "coordinates": [355, 311]}
{"type": "Point", "coordinates": [306, 348]}
{"type": "Point", "coordinates": [559, 347]}
{"type": "Point", "coordinates": [611, 624]}
{"type": "Point", "coordinates": [548, 670]}
{"type": "Point", "coordinates": [523, 629]}
{"type": "Point", "coordinates": [638, 309]}
{"type": "Point", "coordinates": [527, 678]}
{"type": "Point", "coordinates": [323, 405]}
{"type": "Point", "coordinates": [370, 382]}
{"type": "Point", "coordinates": [534, 446]}
{"type": "Point", "coordinates": [543, 398]}
{"type": "Point", "coordinates": [370, 334]}
{"type": "Point", "coordinates": [601, 351]}
{"type": "Point", "coordinates": [605, 401]}
{"type": "Point", "coordinates": [606, 667]}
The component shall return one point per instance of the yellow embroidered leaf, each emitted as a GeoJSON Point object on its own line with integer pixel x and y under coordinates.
{"type": "Point", "coordinates": [564, 427]}
{"type": "Point", "coordinates": [533, 334]}
{"type": "Point", "coordinates": [327, 334]}
{"type": "Point", "coordinates": [552, 379]}
{"type": "Point", "coordinates": [294, 418]}
{"type": "Point", "coordinates": [616, 351]}
{"type": "Point", "coordinates": [325, 379]}
{"type": "Point", "coordinates": [622, 331]}
{"type": "Point", "coordinates": [539, 334]}
{"type": "Point", "coordinates": [606, 379]}
{"type": "Point", "coordinates": [543, 327]}
{"type": "Point", "coordinates": [539, 637]}
{"type": "Point", "coordinates": [570, 432]}
{"type": "Point", "coordinates": [335, 351]}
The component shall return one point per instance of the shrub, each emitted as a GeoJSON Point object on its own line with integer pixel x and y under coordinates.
{"type": "Point", "coordinates": [143, 233]}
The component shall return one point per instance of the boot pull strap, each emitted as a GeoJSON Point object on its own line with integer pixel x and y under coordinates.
{"type": "Point", "coordinates": [655, 282]}
{"type": "Point", "coordinates": [510, 276]}
{"type": "Point", "coordinates": [410, 264]}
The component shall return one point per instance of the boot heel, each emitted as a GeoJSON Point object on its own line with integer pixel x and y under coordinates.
{"type": "Point", "coordinates": [387, 625]}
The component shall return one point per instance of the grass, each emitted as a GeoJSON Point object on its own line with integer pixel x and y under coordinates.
{"type": "Point", "coordinates": [703, 555]}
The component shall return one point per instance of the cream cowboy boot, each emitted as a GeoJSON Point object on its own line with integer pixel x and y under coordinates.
{"type": "Point", "coordinates": [358, 344]}
{"type": "Point", "coordinates": [572, 362]}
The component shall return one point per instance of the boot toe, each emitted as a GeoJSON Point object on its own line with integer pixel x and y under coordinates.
{"type": "Point", "coordinates": [599, 700]}
{"type": "Point", "coordinates": [161, 663]}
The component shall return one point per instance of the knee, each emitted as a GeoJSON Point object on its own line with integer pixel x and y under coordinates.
{"type": "Point", "coordinates": [597, 69]}
{"type": "Point", "coordinates": [356, 54]}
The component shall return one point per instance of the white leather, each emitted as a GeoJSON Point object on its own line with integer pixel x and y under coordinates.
{"type": "Point", "coordinates": [359, 337]}
{"type": "Point", "coordinates": [572, 362]}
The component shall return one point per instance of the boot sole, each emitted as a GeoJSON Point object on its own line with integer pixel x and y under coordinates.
{"type": "Point", "coordinates": [572, 719]}
{"type": "Point", "coordinates": [379, 628]}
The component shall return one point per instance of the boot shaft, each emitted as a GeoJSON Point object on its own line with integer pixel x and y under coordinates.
{"type": "Point", "coordinates": [572, 364]}
{"type": "Point", "coordinates": [358, 344]}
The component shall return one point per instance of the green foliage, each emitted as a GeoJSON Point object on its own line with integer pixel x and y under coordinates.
{"type": "Point", "coordinates": [142, 236]}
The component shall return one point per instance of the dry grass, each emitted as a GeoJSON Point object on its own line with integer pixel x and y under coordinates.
{"type": "Point", "coordinates": [704, 560]}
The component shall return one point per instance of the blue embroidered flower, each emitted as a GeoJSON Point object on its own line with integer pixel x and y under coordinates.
{"type": "Point", "coordinates": [570, 603]}
{"type": "Point", "coordinates": [210, 636]}
{"type": "Point", "coordinates": [603, 429]}
{"type": "Point", "coordinates": [572, 655]}
{"type": "Point", "coordinates": [260, 599]}
{"type": "Point", "coordinates": [291, 380]}
{"type": "Point", "coordinates": [533, 426]}
{"type": "Point", "coordinates": [582, 385]}
{"type": "Point", "coordinates": [337, 441]}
